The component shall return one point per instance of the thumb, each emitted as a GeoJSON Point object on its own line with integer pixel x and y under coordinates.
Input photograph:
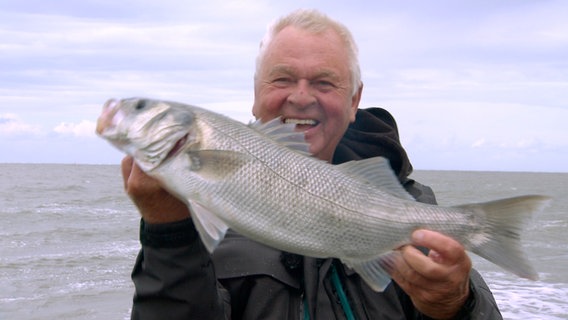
{"type": "Point", "coordinates": [126, 167]}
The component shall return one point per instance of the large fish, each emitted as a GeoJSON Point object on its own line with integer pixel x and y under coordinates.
{"type": "Point", "coordinates": [260, 181]}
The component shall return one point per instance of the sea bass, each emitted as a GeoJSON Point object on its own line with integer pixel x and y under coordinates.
{"type": "Point", "coordinates": [260, 181]}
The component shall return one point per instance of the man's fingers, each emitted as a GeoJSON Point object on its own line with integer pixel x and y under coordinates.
{"type": "Point", "coordinates": [443, 249]}
{"type": "Point", "coordinates": [419, 265]}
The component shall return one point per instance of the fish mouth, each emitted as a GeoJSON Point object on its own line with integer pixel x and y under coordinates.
{"type": "Point", "coordinates": [109, 117]}
{"type": "Point", "coordinates": [177, 147]}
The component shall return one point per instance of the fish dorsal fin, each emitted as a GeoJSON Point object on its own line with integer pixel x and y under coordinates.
{"type": "Point", "coordinates": [378, 173]}
{"type": "Point", "coordinates": [284, 134]}
{"type": "Point", "coordinates": [210, 228]}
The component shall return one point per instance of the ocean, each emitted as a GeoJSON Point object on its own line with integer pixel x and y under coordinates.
{"type": "Point", "coordinates": [69, 238]}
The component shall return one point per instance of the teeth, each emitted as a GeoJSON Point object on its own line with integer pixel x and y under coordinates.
{"type": "Point", "coordinates": [301, 121]}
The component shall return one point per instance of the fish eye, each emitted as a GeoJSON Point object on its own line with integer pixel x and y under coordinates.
{"type": "Point", "coordinates": [142, 104]}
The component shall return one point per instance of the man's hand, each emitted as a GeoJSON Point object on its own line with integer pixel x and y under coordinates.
{"type": "Point", "coordinates": [155, 204]}
{"type": "Point", "coordinates": [438, 284]}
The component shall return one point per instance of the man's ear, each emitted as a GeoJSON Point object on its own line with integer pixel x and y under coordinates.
{"type": "Point", "coordinates": [355, 99]}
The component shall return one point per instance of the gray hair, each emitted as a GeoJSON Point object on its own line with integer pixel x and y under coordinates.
{"type": "Point", "coordinates": [315, 22]}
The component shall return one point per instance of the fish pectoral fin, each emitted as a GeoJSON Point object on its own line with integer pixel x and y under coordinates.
{"type": "Point", "coordinates": [284, 134]}
{"type": "Point", "coordinates": [378, 173]}
{"type": "Point", "coordinates": [211, 229]}
{"type": "Point", "coordinates": [376, 272]}
{"type": "Point", "coordinates": [216, 164]}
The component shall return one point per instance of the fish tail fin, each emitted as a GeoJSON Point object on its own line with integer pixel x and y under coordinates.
{"type": "Point", "coordinates": [499, 241]}
{"type": "Point", "coordinates": [376, 272]}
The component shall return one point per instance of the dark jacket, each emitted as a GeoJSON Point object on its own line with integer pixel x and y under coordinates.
{"type": "Point", "coordinates": [176, 278]}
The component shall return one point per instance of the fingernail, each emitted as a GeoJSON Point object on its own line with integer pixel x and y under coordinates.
{"type": "Point", "coordinates": [418, 235]}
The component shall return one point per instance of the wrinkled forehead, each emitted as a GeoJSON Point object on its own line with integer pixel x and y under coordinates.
{"type": "Point", "coordinates": [298, 48]}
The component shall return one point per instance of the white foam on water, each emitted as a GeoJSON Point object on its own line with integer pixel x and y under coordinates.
{"type": "Point", "coordinates": [524, 299]}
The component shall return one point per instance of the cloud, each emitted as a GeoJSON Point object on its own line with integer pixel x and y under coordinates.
{"type": "Point", "coordinates": [483, 136]}
{"type": "Point", "coordinates": [84, 128]}
{"type": "Point", "coordinates": [12, 125]}
{"type": "Point", "coordinates": [469, 83]}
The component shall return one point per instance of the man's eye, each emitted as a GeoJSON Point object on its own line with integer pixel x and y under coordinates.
{"type": "Point", "coordinates": [323, 84]}
{"type": "Point", "coordinates": [282, 81]}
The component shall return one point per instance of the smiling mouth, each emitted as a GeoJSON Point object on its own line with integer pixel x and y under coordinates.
{"type": "Point", "coordinates": [302, 122]}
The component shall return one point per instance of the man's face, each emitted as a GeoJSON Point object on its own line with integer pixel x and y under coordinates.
{"type": "Point", "coordinates": [305, 79]}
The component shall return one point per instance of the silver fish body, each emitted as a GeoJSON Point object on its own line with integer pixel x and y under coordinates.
{"type": "Point", "coordinates": [259, 181]}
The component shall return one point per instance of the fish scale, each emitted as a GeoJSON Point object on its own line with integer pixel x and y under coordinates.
{"type": "Point", "coordinates": [258, 181]}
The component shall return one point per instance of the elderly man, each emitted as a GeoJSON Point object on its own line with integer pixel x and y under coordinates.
{"type": "Point", "coordinates": [308, 74]}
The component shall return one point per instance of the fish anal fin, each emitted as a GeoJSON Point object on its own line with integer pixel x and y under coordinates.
{"type": "Point", "coordinates": [210, 228]}
{"type": "Point", "coordinates": [284, 134]}
{"type": "Point", "coordinates": [377, 172]}
{"type": "Point", "coordinates": [376, 272]}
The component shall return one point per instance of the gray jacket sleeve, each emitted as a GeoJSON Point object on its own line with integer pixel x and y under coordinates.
{"type": "Point", "coordinates": [173, 276]}
{"type": "Point", "coordinates": [481, 305]}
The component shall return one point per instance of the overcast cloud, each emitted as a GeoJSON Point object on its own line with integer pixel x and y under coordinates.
{"type": "Point", "coordinates": [474, 85]}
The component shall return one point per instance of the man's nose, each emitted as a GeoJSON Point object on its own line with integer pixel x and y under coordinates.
{"type": "Point", "coordinates": [302, 95]}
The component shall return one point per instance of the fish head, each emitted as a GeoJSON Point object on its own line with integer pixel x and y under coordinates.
{"type": "Point", "coordinates": [151, 131]}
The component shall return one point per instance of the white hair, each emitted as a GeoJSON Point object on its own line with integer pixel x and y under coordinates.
{"type": "Point", "coordinates": [315, 22]}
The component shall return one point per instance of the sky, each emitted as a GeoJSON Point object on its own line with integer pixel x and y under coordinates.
{"type": "Point", "coordinates": [473, 85]}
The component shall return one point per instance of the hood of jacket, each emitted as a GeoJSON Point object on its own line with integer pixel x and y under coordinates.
{"type": "Point", "coordinates": [374, 133]}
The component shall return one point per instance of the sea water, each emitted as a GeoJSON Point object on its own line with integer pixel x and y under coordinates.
{"type": "Point", "coordinates": [69, 237]}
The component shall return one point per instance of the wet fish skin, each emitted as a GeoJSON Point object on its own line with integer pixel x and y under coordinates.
{"type": "Point", "coordinates": [258, 181]}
